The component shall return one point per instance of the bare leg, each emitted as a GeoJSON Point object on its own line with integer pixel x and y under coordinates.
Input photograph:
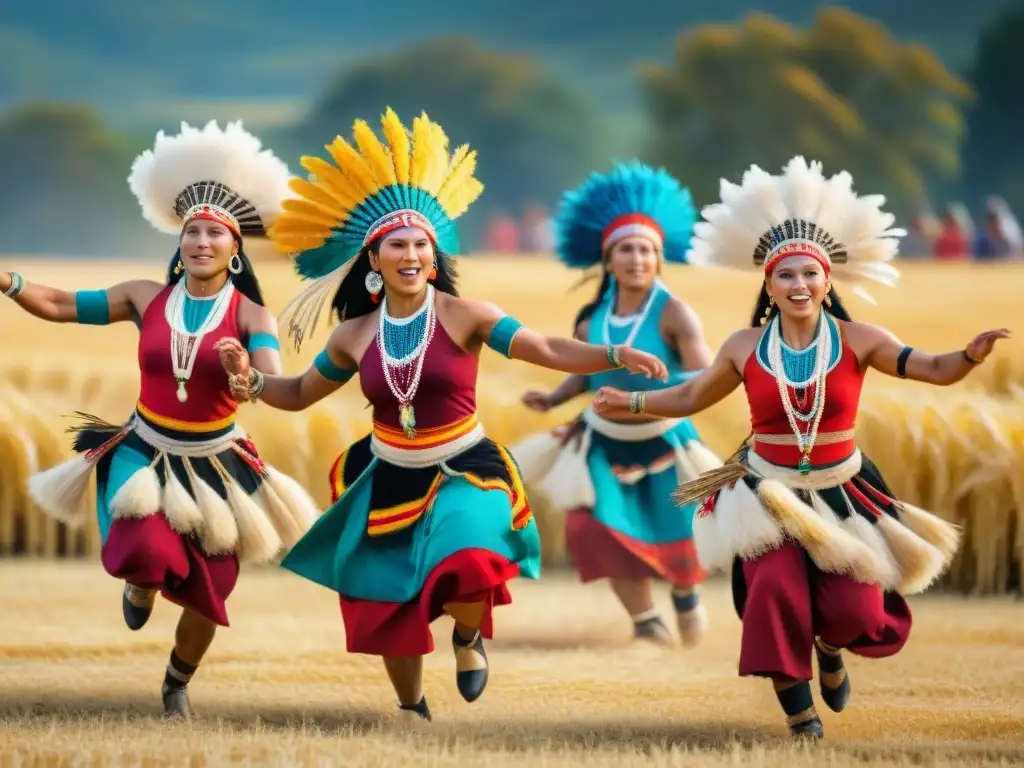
{"type": "Point", "coordinates": [637, 597]}
{"type": "Point", "coordinates": [192, 639]}
{"type": "Point", "coordinates": [470, 657]}
{"type": "Point", "coordinates": [691, 615]}
{"type": "Point", "coordinates": [406, 675]}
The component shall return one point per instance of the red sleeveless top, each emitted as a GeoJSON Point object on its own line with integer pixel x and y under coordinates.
{"type": "Point", "coordinates": [209, 407]}
{"type": "Point", "coordinates": [447, 388]}
{"type": "Point", "coordinates": [773, 436]}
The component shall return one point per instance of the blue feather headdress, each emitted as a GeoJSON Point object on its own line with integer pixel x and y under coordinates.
{"type": "Point", "coordinates": [632, 199]}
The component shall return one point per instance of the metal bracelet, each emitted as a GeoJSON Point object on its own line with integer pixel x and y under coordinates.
{"type": "Point", "coordinates": [256, 384]}
{"type": "Point", "coordinates": [637, 402]}
{"type": "Point", "coordinates": [16, 287]}
{"type": "Point", "coordinates": [613, 356]}
{"type": "Point", "coordinates": [971, 360]}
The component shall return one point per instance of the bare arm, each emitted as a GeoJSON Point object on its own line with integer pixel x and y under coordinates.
{"type": "Point", "coordinates": [332, 368]}
{"type": "Point", "coordinates": [573, 385]}
{"type": "Point", "coordinates": [880, 349]}
{"type": "Point", "coordinates": [505, 335]}
{"type": "Point", "coordinates": [264, 345]}
{"type": "Point", "coordinates": [114, 305]}
{"type": "Point", "coordinates": [686, 333]}
{"type": "Point", "coordinates": [714, 384]}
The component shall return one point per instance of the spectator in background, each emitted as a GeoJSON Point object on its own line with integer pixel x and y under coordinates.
{"type": "Point", "coordinates": [502, 234]}
{"type": "Point", "coordinates": [923, 229]}
{"type": "Point", "coordinates": [1002, 237]}
{"type": "Point", "coordinates": [954, 242]}
{"type": "Point", "coordinates": [538, 234]}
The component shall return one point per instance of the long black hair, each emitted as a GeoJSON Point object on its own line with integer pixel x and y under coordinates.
{"type": "Point", "coordinates": [245, 282]}
{"type": "Point", "coordinates": [588, 309]}
{"type": "Point", "coordinates": [352, 299]}
{"type": "Point", "coordinates": [837, 309]}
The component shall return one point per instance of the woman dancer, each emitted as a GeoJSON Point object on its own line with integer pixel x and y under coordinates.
{"type": "Point", "coordinates": [430, 516]}
{"type": "Point", "coordinates": [629, 223]}
{"type": "Point", "coordinates": [821, 553]}
{"type": "Point", "coordinates": [181, 494]}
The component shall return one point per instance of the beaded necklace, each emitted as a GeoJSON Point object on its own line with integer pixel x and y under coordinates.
{"type": "Point", "coordinates": [403, 346]}
{"type": "Point", "coordinates": [799, 374]}
{"type": "Point", "coordinates": [184, 342]}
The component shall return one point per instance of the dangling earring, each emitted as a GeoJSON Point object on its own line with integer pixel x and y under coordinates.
{"type": "Point", "coordinates": [768, 309]}
{"type": "Point", "coordinates": [235, 260]}
{"type": "Point", "coordinates": [374, 283]}
{"type": "Point", "coordinates": [828, 299]}
{"type": "Point", "coordinates": [179, 267]}
{"type": "Point", "coordinates": [433, 272]}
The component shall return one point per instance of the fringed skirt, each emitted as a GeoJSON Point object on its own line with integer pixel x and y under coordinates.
{"type": "Point", "coordinates": [399, 543]}
{"type": "Point", "coordinates": [613, 484]}
{"type": "Point", "coordinates": [177, 511]}
{"type": "Point", "coordinates": [844, 517]}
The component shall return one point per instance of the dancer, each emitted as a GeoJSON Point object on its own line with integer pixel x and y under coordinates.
{"type": "Point", "coordinates": [430, 516]}
{"type": "Point", "coordinates": [820, 550]}
{"type": "Point", "coordinates": [612, 479]}
{"type": "Point", "coordinates": [181, 494]}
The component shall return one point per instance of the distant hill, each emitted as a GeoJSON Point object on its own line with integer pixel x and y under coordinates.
{"type": "Point", "coordinates": [152, 64]}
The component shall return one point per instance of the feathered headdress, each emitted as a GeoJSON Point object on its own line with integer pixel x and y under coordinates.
{"type": "Point", "coordinates": [222, 175]}
{"type": "Point", "coordinates": [799, 212]}
{"type": "Point", "coordinates": [632, 199]}
{"type": "Point", "coordinates": [410, 179]}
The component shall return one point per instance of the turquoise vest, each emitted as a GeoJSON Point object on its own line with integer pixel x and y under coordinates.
{"type": "Point", "coordinates": [648, 339]}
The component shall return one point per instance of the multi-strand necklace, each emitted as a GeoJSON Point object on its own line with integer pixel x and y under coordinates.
{"type": "Point", "coordinates": [403, 346]}
{"type": "Point", "coordinates": [794, 370]}
{"type": "Point", "coordinates": [634, 321]}
{"type": "Point", "coordinates": [185, 343]}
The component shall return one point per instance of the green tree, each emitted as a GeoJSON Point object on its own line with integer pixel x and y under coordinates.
{"type": "Point", "coordinates": [993, 159]}
{"type": "Point", "coordinates": [843, 92]}
{"type": "Point", "coordinates": [65, 187]}
{"type": "Point", "coordinates": [535, 136]}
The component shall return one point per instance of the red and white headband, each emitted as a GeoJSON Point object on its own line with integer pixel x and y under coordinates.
{"type": "Point", "coordinates": [631, 225]}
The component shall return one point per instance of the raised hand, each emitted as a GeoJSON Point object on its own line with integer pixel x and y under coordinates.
{"type": "Point", "coordinates": [981, 346]}
{"type": "Point", "coordinates": [635, 361]}
{"type": "Point", "coordinates": [537, 401]}
{"type": "Point", "coordinates": [233, 356]}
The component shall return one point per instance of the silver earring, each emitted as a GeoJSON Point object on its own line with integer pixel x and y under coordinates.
{"type": "Point", "coordinates": [235, 260]}
{"type": "Point", "coordinates": [374, 282]}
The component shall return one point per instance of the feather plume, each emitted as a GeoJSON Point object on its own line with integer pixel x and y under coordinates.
{"type": "Point", "coordinates": [376, 154]}
{"type": "Point", "coordinates": [397, 137]}
{"type": "Point", "coordinates": [354, 166]}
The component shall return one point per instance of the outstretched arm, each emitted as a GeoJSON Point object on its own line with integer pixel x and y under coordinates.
{"type": "Point", "coordinates": [573, 385]}
{"type": "Point", "coordinates": [887, 354]}
{"type": "Point", "coordinates": [712, 385]}
{"type": "Point", "coordinates": [331, 369]}
{"type": "Point", "coordinates": [98, 307]}
{"type": "Point", "coordinates": [509, 337]}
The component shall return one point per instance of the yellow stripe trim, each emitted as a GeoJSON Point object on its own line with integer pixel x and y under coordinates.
{"type": "Point", "coordinates": [426, 437]}
{"type": "Point", "coordinates": [184, 426]}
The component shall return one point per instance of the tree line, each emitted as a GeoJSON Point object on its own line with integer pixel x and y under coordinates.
{"type": "Point", "coordinates": [843, 91]}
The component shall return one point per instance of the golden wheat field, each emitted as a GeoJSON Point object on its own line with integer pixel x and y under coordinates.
{"type": "Point", "coordinates": [77, 688]}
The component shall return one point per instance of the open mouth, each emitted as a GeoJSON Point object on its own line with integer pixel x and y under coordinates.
{"type": "Point", "coordinates": [800, 299]}
{"type": "Point", "coordinates": [409, 271]}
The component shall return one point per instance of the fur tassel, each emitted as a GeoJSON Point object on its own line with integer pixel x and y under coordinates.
{"type": "Point", "coordinates": [886, 570]}
{"type": "Point", "coordinates": [220, 531]}
{"type": "Point", "coordinates": [832, 549]}
{"type": "Point", "coordinates": [298, 504]}
{"type": "Point", "coordinates": [289, 528]}
{"type": "Point", "coordinates": [942, 535]}
{"type": "Point", "coordinates": [702, 458]}
{"type": "Point", "coordinates": [536, 455]}
{"type": "Point", "coordinates": [179, 507]}
{"type": "Point", "coordinates": [139, 497]}
{"type": "Point", "coordinates": [258, 542]}
{"type": "Point", "coordinates": [919, 562]}
{"type": "Point", "coordinates": [61, 490]}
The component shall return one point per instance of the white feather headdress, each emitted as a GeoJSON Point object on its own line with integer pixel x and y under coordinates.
{"type": "Point", "coordinates": [226, 170]}
{"type": "Point", "coordinates": [767, 217]}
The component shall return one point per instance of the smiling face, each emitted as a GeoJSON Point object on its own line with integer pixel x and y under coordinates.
{"type": "Point", "coordinates": [633, 262]}
{"type": "Point", "coordinates": [206, 248]}
{"type": "Point", "coordinates": [798, 284]}
{"type": "Point", "coordinates": [404, 260]}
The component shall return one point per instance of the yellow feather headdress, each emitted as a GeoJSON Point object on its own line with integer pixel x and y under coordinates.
{"type": "Point", "coordinates": [409, 179]}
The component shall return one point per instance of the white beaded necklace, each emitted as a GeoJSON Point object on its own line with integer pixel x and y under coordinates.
{"type": "Point", "coordinates": [637, 319]}
{"type": "Point", "coordinates": [184, 343]}
{"type": "Point", "coordinates": [409, 368]}
{"type": "Point", "coordinates": [818, 377]}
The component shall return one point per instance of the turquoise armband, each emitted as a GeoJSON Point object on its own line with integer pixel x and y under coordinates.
{"type": "Point", "coordinates": [263, 341]}
{"type": "Point", "coordinates": [502, 335]}
{"type": "Point", "coordinates": [331, 370]}
{"type": "Point", "coordinates": [92, 307]}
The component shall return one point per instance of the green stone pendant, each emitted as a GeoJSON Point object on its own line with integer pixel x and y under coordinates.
{"type": "Point", "coordinates": [407, 418]}
{"type": "Point", "coordinates": [805, 465]}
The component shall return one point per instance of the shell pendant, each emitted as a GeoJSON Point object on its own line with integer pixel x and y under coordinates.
{"type": "Point", "coordinates": [182, 393]}
{"type": "Point", "coordinates": [407, 418]}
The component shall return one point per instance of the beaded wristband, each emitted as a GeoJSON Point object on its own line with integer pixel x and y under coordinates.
{"type": "Point", "coordinates": [971, 360]}
{"type": "Point", "coordinates": [613, 356]}
{"type": "Point", "coordinates": [256, 385]}
{"type": "Point", "coordinates": [637, 402]}
{"type": "Point", "coordinates": [16, 287]}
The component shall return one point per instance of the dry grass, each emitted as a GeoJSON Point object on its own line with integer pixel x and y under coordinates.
{"type": "Point", "coordinates": [77, 688]}
{"type": "Point", "coordinates": [956, 451]}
